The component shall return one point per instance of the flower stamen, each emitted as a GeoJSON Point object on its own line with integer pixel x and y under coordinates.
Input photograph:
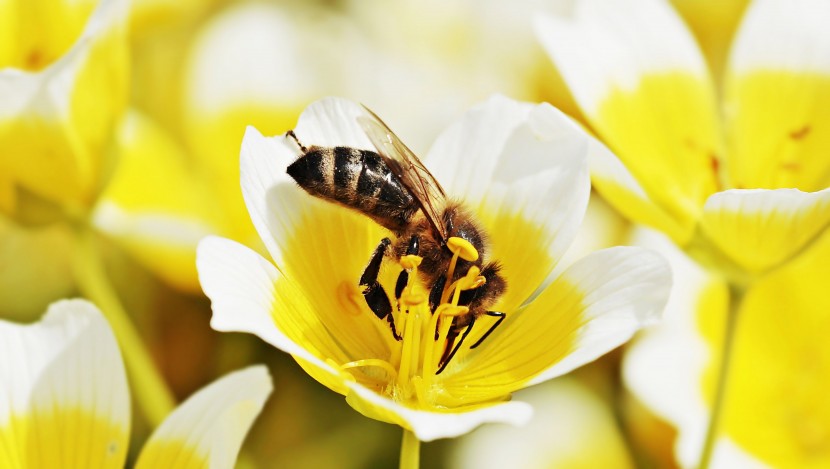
{"type": "Point", "coordinates": [410, 370]}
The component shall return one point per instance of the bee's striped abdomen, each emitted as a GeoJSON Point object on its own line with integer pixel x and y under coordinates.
{"type": "Point", "coordinates": [358, 179]}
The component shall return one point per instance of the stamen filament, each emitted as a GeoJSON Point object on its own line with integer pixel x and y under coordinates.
{"type": "Point", "coordinates": [385, 365]}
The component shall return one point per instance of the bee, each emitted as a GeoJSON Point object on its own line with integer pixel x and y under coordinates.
{"type": "Point", "coordinates": [392, 187]}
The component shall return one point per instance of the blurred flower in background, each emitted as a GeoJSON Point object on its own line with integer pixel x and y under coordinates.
{"type": "Point", "coordinates": [127, 120]}
{"type": "Point", "coordinates": [66, 401]}
{"type": "Point", "coordinates": [572, 428]}
{"type": "Point", "coordinates": [735, 172]}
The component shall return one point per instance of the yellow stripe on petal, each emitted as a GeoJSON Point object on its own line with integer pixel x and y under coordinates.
{"type": "Point", "coordinates": [594, 306]}
{"type": "Point", "coordinates": [665, 132]}
{"type": "Point", "coordinates": [172, 453]}
{"type": "Point", "coordinates": [65, 399]}
{"type": "Point", "coordinates": [62, 437]}
{"type": "Point", "coordinates": [324, 256]}
{"type": "Point", "coordinates": [779, 130]}
{"type": "Point", "coordinates": [207, 430]}
{"type": "Point", "coordinates": [759, 229]}
{"type": "Point", "coordinates": [247, 294]}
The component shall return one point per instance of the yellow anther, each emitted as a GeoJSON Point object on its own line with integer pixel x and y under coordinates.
{"type": "Point", "coordinates": [463, 248]}
{"type": "Point", "coordinates": [410, 261]}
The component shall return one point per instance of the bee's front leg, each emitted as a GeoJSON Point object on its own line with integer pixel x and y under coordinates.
{"type": "Point", "coordinates": [494, 314]}
{"type": "Point", "coordinates": [373, 291]}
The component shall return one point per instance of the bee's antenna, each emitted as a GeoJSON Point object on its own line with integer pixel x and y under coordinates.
{"type": "Point", "coordinates": [291, 134]}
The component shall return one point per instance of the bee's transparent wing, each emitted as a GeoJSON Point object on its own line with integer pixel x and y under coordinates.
{"type": "Point", "coordinates": [408, 169]}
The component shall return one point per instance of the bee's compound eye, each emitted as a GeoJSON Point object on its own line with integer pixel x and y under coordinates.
{"type": "Point", "coordinates": [463, 248]}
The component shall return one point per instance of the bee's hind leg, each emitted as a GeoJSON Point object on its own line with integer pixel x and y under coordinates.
{"type": "Point", "coordinates": [495, 314]}
{"type": "Point", "coordinates": [451, 350]}
{"type": "Point", "coordinates": [373, 291]}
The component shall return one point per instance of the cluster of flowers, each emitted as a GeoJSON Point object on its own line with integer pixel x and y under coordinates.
{"type": "Point", "coordinates": [730, 176]}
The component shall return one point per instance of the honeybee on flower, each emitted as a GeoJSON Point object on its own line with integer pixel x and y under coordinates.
{"type": "Point", "coordinates": [522, 171]}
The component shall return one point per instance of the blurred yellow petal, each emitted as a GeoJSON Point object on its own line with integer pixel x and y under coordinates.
{"type": "Point", "coordinates": [641, 81]}
{"type": "Point", "coordinates": [154, 205]}
{"type": "Point", "coordinates": [149, 16]}
{"type": "Point", "coordinates": [778, 97]}
{"type": "Point", "coordinates": [267, 85]}
{"type": "Point", "coordinates": [55, 123]}
{"type": "Point", "coordinates": [776, 408]}
{"type": "Point", "coordinates": [620, 188]}
{"type": "Point", "coordinates": [36, 268]}
{"type": "Point", "coordinates": [759, 228]}
{"type": "Point", "coordinates": [570, 421]}
{"type": "Point", "coordinates": [66, 402]}
{"type": "Point", "coordinates": [713, 23]}
{"type": "Point", "coordinates": [207, 430]}
{"type": "Point", "coordinates": [39, 32]}
{"type": "Point", "coordinates": [775, 413]}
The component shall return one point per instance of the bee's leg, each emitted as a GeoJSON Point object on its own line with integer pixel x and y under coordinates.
{"type": "Point", "coordinates": [291, 134]}
{"type": "Point", "coordinates": [453, 333]}
{"type": "Point", "coordinates": [495, 314]}
{"type": "Point", "coordinates": [435, 293]}
{"type": "Point", "coordinates": [403, 278]}
{"type": "Point", "coordinates": [373, 291]}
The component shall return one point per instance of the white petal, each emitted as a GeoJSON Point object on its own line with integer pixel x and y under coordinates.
{"type": "Point", "coordinates": [265, 183]}
{"type": "Point", "coordinates": [211, 424]}
{"type": "Point", "coordinates": [240, 284]}
{"type": "Point", "coordinates": [429, 426]}
{"type": "Point", "coordinates": [67, 371]}
{"type": "Point", "coordinates": [274, 201]}
{"type": "Point", "coordinates": [333, 122]}
{"type": "Point", "coordinates": [599, 48]}
{"type": "Point", "coordinates": [507, 157]}
{"type": "Point", "coordinates": [728, 454]}
{"type": "Point", "coordinates": [625, 289]}
{"type": "Point", "coordinates": [783, 34]}
{"type": "Point", "coordinates": [663, 367]}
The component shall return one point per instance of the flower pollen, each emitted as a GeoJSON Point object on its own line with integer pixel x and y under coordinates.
{"type": "Point", "coordinates": [409, 374]}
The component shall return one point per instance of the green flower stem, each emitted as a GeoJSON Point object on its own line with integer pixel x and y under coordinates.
{"type": "Point", "coordinates": [410, 451]}
{"type": "Point", "coordinates": [154, 398]}
{"type": "Point", "coordinates": [736, 297]}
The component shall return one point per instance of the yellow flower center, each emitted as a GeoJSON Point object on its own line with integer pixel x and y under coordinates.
{"type": "Point", "coordinates": [409, 373]}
